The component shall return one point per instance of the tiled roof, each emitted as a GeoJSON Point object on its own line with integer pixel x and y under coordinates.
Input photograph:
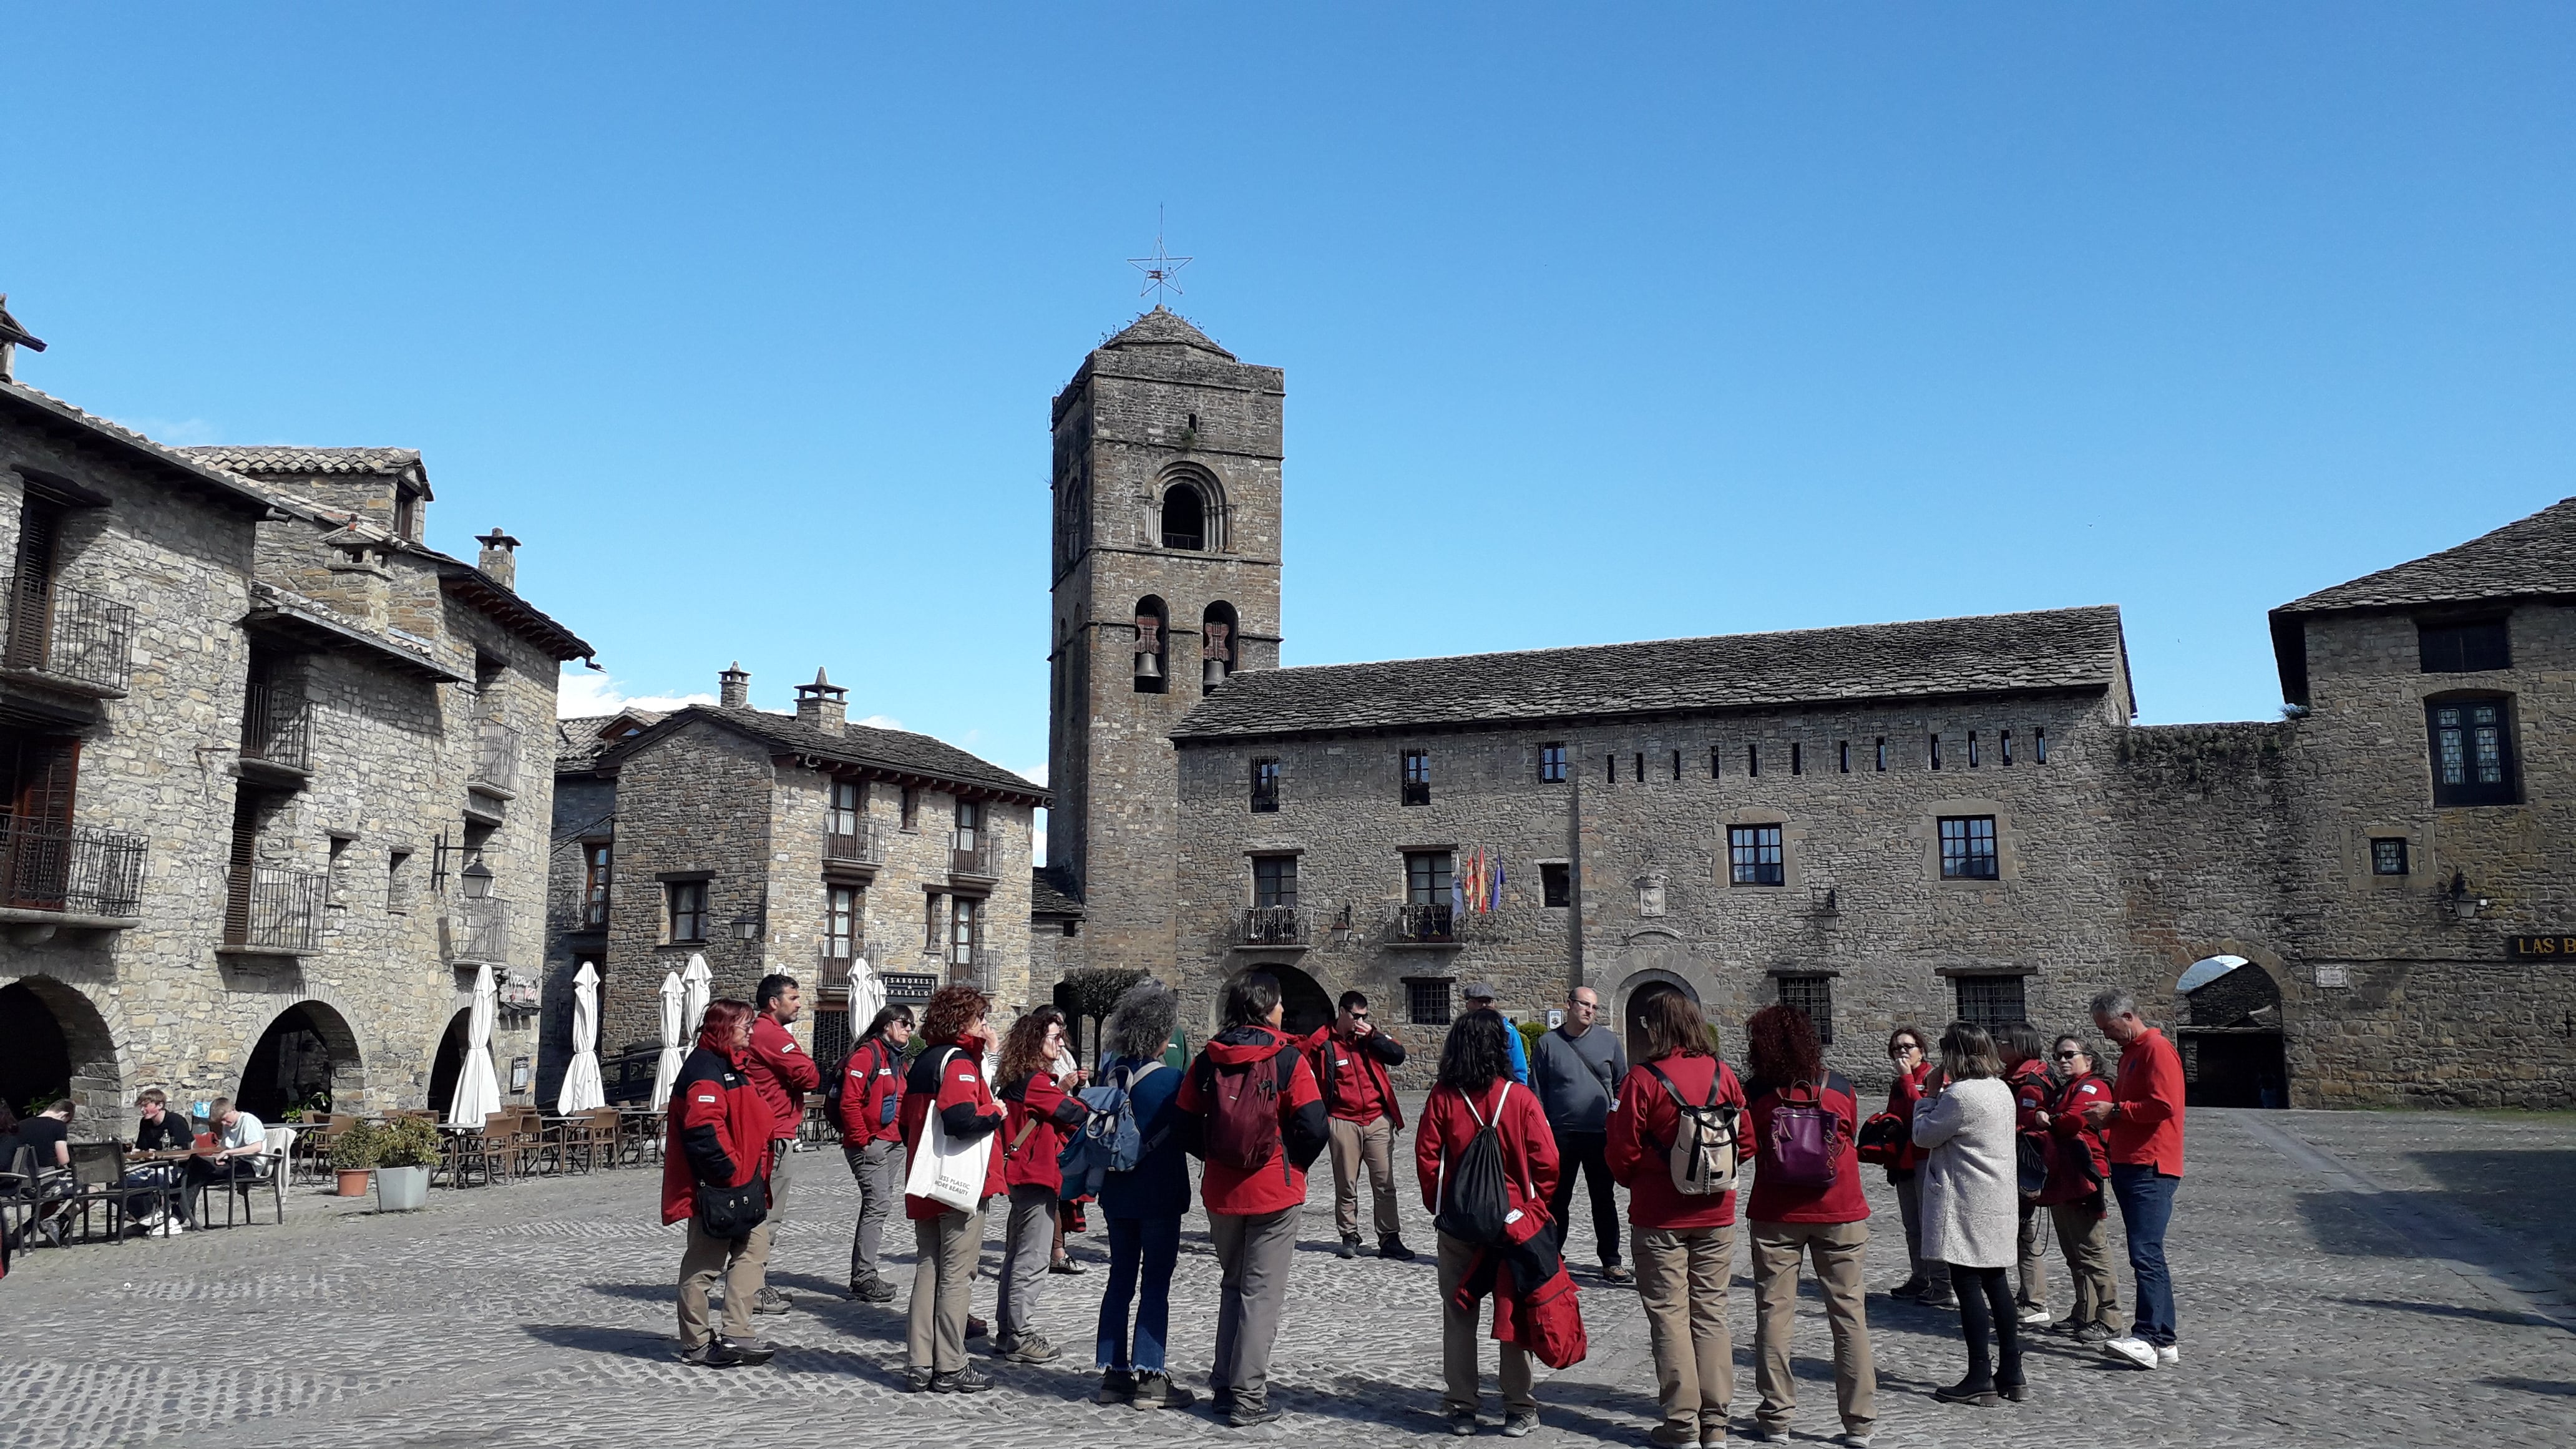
{"type": "Point", "coordinates": [899, 752]}
{"type": "Point", "coordinates": [2531, 557]}
{"type": "Point", "coordinates": [1049, 898]}
{"type": "Point", "coordinates": [305, 460]}
{"type": "Point", "coordinates": [2055, 649]}
{"type": "Point", "coordinates": [237, 491]}
{"type": "Point", "coordinates": [1163, 328]}
{"type": "Point", "coordinates": [579, 743]}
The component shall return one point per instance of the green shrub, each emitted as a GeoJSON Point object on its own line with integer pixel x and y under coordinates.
{"type": "Point", "coordinates": [357, 1149]}
{"type": "Point", "coordinates": [409, 1142]}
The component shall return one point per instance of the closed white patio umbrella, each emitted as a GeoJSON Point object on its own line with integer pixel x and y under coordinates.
{"type": "Point", "coordinates": [478, 1091]}
{"type": "Point", "coordinates": [667, 1071]}
{"type": "Point", "coordinates": [582, 1091]}
{"type": "Point", "coordinates": [867, 994]}
{"type": "Point", "coordinates": [701, 985]}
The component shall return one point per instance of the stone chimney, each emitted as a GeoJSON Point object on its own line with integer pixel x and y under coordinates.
{"type": "Point", "coordinates": [355, 581]}
{"type": "Point", "coordinates": [500, 558]}
{"type": "Point", "coordinates": [823, 704]}
{"type": "Point", "coordinates": [733, 687]}
{"type": "Point", "coordinates": [13, 337]}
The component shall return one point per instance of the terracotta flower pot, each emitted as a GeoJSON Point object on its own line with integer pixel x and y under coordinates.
{"type": "Point", "coordinates": [353, 1182]}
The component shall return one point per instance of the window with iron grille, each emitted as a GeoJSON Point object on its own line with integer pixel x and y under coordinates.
{"type": "Point", "coordinates": [2472, 751]}
{"type": "Point", "coordinates": [1417, 777]}
{"type": "Point", "coordinates": [967, 939]}
{"type": "Point", "coordinates": [2388, 855]}
{"type": "Point", "coordinates": [1551, 764]}
{"type": "Point", "coordinates": [1813, 995]}
{"type": "Point", "coordinates": [1426, 1002]}
{"type": "Point", "coordinates": [1967, 847]}
{"type": "Point", "coordinates": [1555, 884]}
{"type": "Point", "coordinates": [1265, 786]}
{"type": "Point", "coordinates": [687, 910]}
{"type": "Point", "coordinates": [1990, 1001]}
{"type": "Point", "coordinates": [1274, 880]}
{"type": "Point", "coordinates": [849, 802]}
{"type": "Point", "coordinates": [841, 922]}
{"type": "Point", "coordinates": [2463, 648]}
{"type": "Point", "coordinates": [1426, 877]}
{"type": "Point", "coordinates": [1753, 856]}
{"type": "Point", "coordinates": [970, 818]}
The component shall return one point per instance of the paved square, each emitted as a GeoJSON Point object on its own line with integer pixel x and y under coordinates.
{"type": "Point", "coordinates": [2344, 1279]}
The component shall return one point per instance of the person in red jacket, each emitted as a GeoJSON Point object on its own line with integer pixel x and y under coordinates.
{"type": "Point", "coordinates": [718, 1137]}
{"type": "Point", "coordinates": [1250, 1108]}
{"type": "Point", "coordinates": [2078, 1216]}
{"type": "Point", "coordinates": [1683, 1243]}
{"type": "Point", "coordinates": [782, 1072]}
{"type": "Point", "coordinates": [1476, 1090]}
{"type": "Point", "coordinates": [1350, 1055]}
{"type": "Point", "coordinates": [2144, 1116]}
{"type": "Point", "coordinates": [1826, 1220]}
{"type": "Point", "coordinates": [1927, 1283]}
{"type": "Point", "coordinates": [947, 1077]}
{"type": "Point", "coordinates": [1038, 1112]}
{"type": "Point", "coordinates": [2025, 1057]}
{"type": "Point", "coordinates": [872, 1142]}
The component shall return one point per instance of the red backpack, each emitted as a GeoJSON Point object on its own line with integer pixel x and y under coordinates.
{"type": "Point", "coordinates": [1243, 1110]}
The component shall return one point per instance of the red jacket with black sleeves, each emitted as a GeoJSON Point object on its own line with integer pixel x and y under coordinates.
{"type": "Point", "coordinates": [1280, 1183]}
{"type": "Point", "coordinates": [2146, 1105]}
{"type": "Point", "coordinates": [1843, 1200]}
{"type": "Point", "coordinates": [1643, 1121]}
{"type": "Point", "coordinates": [870, 1079]}
{"type": "Point", "coordinates": [782, 1071]}
{"type": "Point", "coordinates": [1903, 1096]}
{"type": "Point", "coordinates": [1529, 1148]}
{"type": "Point", "coordinates": [1351, 1071]}
{"type": "Point", "coordinates": [2078, 1094]}
{"type": "Point", "coordinates": [1045, 1112]}
{"type": "Point", "coordinates": [950, 1078]}
{"type": "Point", "coordinates": [719, 1132]}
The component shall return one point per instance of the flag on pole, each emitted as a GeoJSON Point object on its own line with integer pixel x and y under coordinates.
{"type": "Point", "coordinates": [1498, 887]}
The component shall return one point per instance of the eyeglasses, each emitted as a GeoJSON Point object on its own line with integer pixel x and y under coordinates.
{"type": "Point", "coordinates": [1359, 1013]}
{"type": "Point", "coordinates": [1903, 1049]}
{"type": "Point", "coordinates": [2068, 1056]}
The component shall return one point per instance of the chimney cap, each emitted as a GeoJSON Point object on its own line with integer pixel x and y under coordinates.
{"type": "Point", "coordinates": [822, 685]}
{"type": "Point", "coordinates": [497, 539]}
{"type": "Point", "coordinates": [736, 670]}
{"type": "Point", "coordinates": [12, 333]}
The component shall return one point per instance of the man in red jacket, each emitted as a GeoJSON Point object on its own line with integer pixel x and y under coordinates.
{"type": "Point", "coordinates": [782, 1073]}
{"type": "Point", "coordinates": [2145, 1120]}
{"type": "Point", "coordinates": [1350, 1056]}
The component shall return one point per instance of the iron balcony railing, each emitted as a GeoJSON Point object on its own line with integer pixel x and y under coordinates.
{"type": "Point", "coordinates": [1424, 924]}
{"type": "Point", "coordinates": [272, 908]}
{"type": "Point", "coordinates": [1275, 926]}
{"type": "Point", "coordinates": [277, 727]}
{"type": "Point", "coordinates": [496, 755]}
{"type": "Point", "coordinates": [854, 842]}
{"type": "Point", "coordinates": [972, 852]}
{"type": "Point", "coordinates": [81, 870]}
{"type": "Point", "coordinates": [68, 633]}
{"type": "Point", "coordinates": [478, 930]}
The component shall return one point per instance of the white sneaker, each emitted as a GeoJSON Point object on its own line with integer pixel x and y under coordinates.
{"type": "Point", "coordinates": [2167, 1355]}
{"type": "Point", "coordinates": [2132, 1350]}
{"type": "Point", "coordinates": [2035, 1314]}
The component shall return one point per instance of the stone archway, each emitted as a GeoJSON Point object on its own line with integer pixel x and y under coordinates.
{"type": "Point", "coordinates": [307, 1058]}
{"type": "Point", "coordinates": [449, 1064]}
{"type": "Point", "coordinates": [1303, 1003]}
{"type": "Point", "coordinates": [1643, 987]}
{"type": "Point", "coordinates": [58, 1045]}
{"type": "Point", "coordinates": [2234, 1052]}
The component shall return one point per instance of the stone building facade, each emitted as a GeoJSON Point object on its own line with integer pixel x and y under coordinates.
{"type": "Point", "coordinates": [279, 772]}
{"type": "Point", "coordinates": [767, 842]}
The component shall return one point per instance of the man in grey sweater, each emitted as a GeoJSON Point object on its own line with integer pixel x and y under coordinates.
{"type": "Point", "coordinates": [1576, 1072]}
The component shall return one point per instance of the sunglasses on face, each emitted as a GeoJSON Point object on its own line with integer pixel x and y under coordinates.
{"type": "Point", "coordinates": [1359, 1015]}
{"type": "Point", "coordinates": [2068, 1056]}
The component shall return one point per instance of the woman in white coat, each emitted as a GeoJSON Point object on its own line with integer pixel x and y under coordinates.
{"type": "Point", "coordinates": [1971, 1208]}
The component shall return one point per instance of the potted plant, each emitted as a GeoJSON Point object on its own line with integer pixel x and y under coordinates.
{"type": "Point", "coordinates": [410, 1148]}
{"type": "Point", "coordinates": [354, 1154]}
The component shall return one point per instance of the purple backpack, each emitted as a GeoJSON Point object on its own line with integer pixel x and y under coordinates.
{"type": "Point", "coordinates": [1804, 1143]}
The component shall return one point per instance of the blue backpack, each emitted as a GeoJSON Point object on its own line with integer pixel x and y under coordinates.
{"type": "Point", "coordinates": [1108, 1140]}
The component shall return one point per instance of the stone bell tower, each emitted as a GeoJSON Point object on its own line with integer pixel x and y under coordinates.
{"type": "Point", "coordinates": [1166, 579]}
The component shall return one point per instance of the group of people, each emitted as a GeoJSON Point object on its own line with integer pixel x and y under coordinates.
{"type": "Point", "coordinates": [170, 1164]}
{"type": "Point", "coordinates": [1500, 1140]}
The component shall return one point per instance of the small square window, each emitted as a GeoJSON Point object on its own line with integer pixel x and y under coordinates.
{"type": "Point", "coordinates": [1968, 847]}
{"type": "Point", "coordinates": [2388, 855]}
{"type": "Point", "coordinates": [1417, 777]}
{"type": "Point", "coordinates": [1426, 1003]}
{"type": "Point", "coordinates": [1990, 1001]}
{"type": "Point", "coordinates": [1265, 786]}
{"type": "Point", "coordinates": [1813, 995]}
{"type": "Point", "coordinates": [1753, 856]}
{"type": "Point", "coordinates": [2463, 648]}
{"type": "Point", "coordinates": [688, 910]}
{"type": "Point", "coordinates": [1555, 884]}
{"type": "Point", "coordinates": [1551, 764]}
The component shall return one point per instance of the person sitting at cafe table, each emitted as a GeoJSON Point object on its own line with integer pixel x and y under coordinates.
{"type": "Point", "coordinates": [160, 1130]}
{"type": "Point", "coordinates": [235, 1153]}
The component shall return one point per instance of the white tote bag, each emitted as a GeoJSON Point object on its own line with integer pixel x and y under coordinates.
{"type": "Point", "coordinates": [945, 1170]}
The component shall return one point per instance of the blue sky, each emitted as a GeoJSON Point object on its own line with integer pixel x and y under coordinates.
{"type": "Point", "coordinates": [1613, 323]}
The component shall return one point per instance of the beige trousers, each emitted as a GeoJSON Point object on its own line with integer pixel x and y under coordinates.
{"type": "Point", "coordinates": [1458, 1337]}
{"type": "Point", "coordinates": [1682, 1277]}
{"type": "Point", "coordinates": [755, 1249]}
{"type": "Point", "coordinates": [2088, 1262]}
{"type": "Point", "coordinates": [943, 1278]}
{"type": "Point", "coordinates": [1354, 1144]}
{"type": "Point", "coordinates": [701, 1263]}
{"type": "Point", "coordinates": [2030, 1265]}
{"type": "Point", "coordinates": [1836, 1249]}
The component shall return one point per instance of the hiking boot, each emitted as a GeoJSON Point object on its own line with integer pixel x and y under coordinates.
{"type": "Point", "coordinates": [753, 1350]}
{"type": "Point", "coordinates": [1393, 1247]}
{"type": "Point", "coordinates": [874, 1290]}
{"type": "Point", "coordinates": [1940, 1295]}
{"type": "Point", "coordinates": [916, 1377]}
{"type": "Point", "coordinates": [968, 1380]}
{"type": "Point", "coordinates": [1462, 1422]}
{"type": "Point", "coordinates": [2131, 1350]}
{"type": "Point", "coordinates": [1349, 1248]}
{"type": "Point", "coordinates": [1066, 1265]}
{"type": "Point", "coordinates": [1910, 1288]}
{"type": "Point", "coordinates": [1117, 1386]}
{"type": "Point", "coordinates": [2069, 1326]}
{"type": "Point", "coordinates": [1031, 1347]}
{"type": "Point", "coordinates": [1518, 1422]}
{"type": "Point", "coordinates": [1614, 1273]}
{"type": "Point", "coordinates": [1157, 1391]}
{"type": "Point", "coordinates": [714, 1353]}
{"type": "Point", "coordinates": [1668, 1436]}
{"type": "Point", "coordinates": [769, 1300]}
{"type": "Point", "coordinates": [2096, 1333]}
{"type": "Point", "coordinates": [1247, 1416]}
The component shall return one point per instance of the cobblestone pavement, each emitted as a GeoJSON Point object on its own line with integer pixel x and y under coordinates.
{"type": "Point", "coordinates": [2333, 1269]}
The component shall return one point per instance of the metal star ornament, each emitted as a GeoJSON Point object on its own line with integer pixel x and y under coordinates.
{"type": "Point", "coordinates": [1161, 269]}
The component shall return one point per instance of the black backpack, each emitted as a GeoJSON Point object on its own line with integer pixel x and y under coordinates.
{"type": "Point", "coordinates": [1475, 1193]}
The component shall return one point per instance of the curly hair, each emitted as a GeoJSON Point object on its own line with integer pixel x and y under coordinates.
{"type": "Point", "coordinates": [1140, 1025]}
{"type": "Point", "coordinates": [1781, 1043]}
{"type": "Point", "coordinates": [1024, 1051]}
{"type": "Point", "coordinates": [951, 1012]}
{"type": "Point", "coordinates": [1476, 1052]}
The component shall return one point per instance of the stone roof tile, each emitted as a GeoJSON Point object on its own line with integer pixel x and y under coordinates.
{"type": "Point", "coordinates": [895, 751]}
{"type": "Point", "coordinates": [1048, 897]}
{"type": "Point", "coordinates": [2530, 557]}
{"type": "Point", "coordinates": [284, 459]}
{"type": "Point", "coordinates": [1165, 328]}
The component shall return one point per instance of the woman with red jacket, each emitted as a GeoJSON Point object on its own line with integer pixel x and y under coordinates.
{"type": "Point", "coordinates": [1807, 1201]}
{"type": "Point", "coordinates": [1250, 1108]}
{"type": "Point", "coordinates": [1476, 1090]}
{"type": "Point", "coordinates": [1927, 1283]}
{"type": "Point", "coordinates": [947, 1077]}
{"type": "Point", "coordinates": [2025, 1055]}
{"type": "Point", "coordinates": [2079, 1217]}
{"type": "Point", "coordinates": [872, 1142]}
{"type": "Point", "coordinates": [1037, 1114]}
{"type": "Point", "coordinates": [719, 1138]}
{"type": "Point", "coordinates": [1683, 1243]}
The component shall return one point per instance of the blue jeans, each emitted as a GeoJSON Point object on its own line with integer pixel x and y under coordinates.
{"type": "Point", "coordinates": [1146, 1248]}
{"type": "Point", "coordinates": [2146, 1206]}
